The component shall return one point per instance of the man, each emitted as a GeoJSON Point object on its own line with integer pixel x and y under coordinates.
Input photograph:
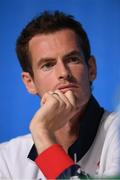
{"type": "Point", "coordinates": [71, 135]}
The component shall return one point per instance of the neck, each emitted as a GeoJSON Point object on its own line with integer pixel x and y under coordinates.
{"type": "Point", "coordinates": [68, 134]}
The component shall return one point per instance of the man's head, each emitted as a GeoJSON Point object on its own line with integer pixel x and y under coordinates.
{"type": "Point", "coordinates": [48, 23]}
{"type": "Point", "coordinates": [54, 53]}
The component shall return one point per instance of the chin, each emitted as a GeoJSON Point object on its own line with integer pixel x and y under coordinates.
{"type": "Point", "coordinates": [82, 99]}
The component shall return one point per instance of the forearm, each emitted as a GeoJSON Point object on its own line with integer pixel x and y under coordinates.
{"type": "Point", "coordinates": [43, 140]}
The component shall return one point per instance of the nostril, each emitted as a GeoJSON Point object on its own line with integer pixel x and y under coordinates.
{"type": "Point", "coordinates": [65, 76]}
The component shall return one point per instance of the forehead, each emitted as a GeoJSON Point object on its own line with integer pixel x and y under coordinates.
{"type": "Point", "coordinates": [53, 44]}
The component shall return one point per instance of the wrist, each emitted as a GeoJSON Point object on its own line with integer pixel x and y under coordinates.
{"type": "Point", "coordinates": [43, 140]}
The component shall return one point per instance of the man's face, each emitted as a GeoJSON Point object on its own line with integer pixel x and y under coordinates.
{"type": "Point", "coordinates": [58, 63]}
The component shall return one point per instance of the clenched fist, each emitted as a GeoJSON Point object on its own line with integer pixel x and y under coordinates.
{"type": "Point", "coordinates": [56, 110]}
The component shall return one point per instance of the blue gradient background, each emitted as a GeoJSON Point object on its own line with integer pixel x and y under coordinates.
{"type": "Point", "coordinates": [101, 20]}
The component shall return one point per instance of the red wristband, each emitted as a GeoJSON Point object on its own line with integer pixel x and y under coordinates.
{"type": "Point", "coordinates": [53, 161]}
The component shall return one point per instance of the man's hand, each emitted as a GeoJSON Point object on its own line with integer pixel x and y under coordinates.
{"type": "Point", "coordinates": [57, 109]}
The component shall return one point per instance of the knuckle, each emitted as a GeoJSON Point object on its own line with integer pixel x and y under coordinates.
{"type": "Point", "coordinates": [69, 107]}
{"type": "Point", "coordinates": [55, 102]}
{"type": "Point", "coordinates": [63, 105]}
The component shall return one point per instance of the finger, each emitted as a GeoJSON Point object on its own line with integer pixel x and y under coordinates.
{"type": "Point", "coordinates": [45, 96]}
{"type": "Point", "coordinates": [51, 96]}
{"type": "Point", "coordinates": [71, 97]}
{"type": "Point", "coordinates": [62, 97]}
{"type": "Point", "coordinates": [57, 96]}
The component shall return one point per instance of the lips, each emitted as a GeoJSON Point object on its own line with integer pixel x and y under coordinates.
{"type": "Point", "coordinates": [66, 87]}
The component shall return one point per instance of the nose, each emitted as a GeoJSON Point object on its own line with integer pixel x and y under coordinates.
{"type": "Point", "coordinates": [62, 71]}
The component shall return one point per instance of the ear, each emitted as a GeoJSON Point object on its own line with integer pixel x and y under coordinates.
{"type": "Point", "coordinates": [92, 69]}
{"type": "Point", "coordinates": [29, 83]}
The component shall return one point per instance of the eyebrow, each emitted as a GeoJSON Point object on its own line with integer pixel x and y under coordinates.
{"type": "Point", "coordinates": [44, 60]}
{"type": "Point", "coordinates": [73, 53]}
{"type": "Point", "coordinates": [48, 59]}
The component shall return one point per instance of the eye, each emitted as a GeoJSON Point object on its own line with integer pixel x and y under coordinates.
{"type": "Point", "coordinates": [47, 66]}
{"type": "Point", "coordinates": [75, 59]}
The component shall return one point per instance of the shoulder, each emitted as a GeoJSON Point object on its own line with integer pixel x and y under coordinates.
{"type": "Point", "coordinates": [110, 127]}
{"type": "Point", "coordinates": [21, 145]}
{"type": "Point", "coordinates": [113, 133]}
{"type": "Point", "coordinates": [14, 161]}
{"type": "Point", "coordinates": [20, 140]}
{"type": "Point", "coordinates": [112, 123]}
{"type": "Point", "coordinates": [110, 157]}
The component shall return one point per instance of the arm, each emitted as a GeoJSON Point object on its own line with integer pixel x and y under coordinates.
{"type": "Point", "coordinates": [55, 112]}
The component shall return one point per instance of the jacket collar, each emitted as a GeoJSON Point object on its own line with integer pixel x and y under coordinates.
{"type": "Point", "coordinates": [88, 130]}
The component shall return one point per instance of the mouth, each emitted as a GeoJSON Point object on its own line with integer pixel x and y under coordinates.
{"type": "Point", "coordinates": [67, 87]}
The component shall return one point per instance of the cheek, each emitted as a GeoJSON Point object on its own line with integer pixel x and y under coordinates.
{"type": "Point", "coordinates": [44, 83]}
{"type": "Point", "coordinates": [81, 74]}
{"type": "Point", "coordinates": [83, 92]}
